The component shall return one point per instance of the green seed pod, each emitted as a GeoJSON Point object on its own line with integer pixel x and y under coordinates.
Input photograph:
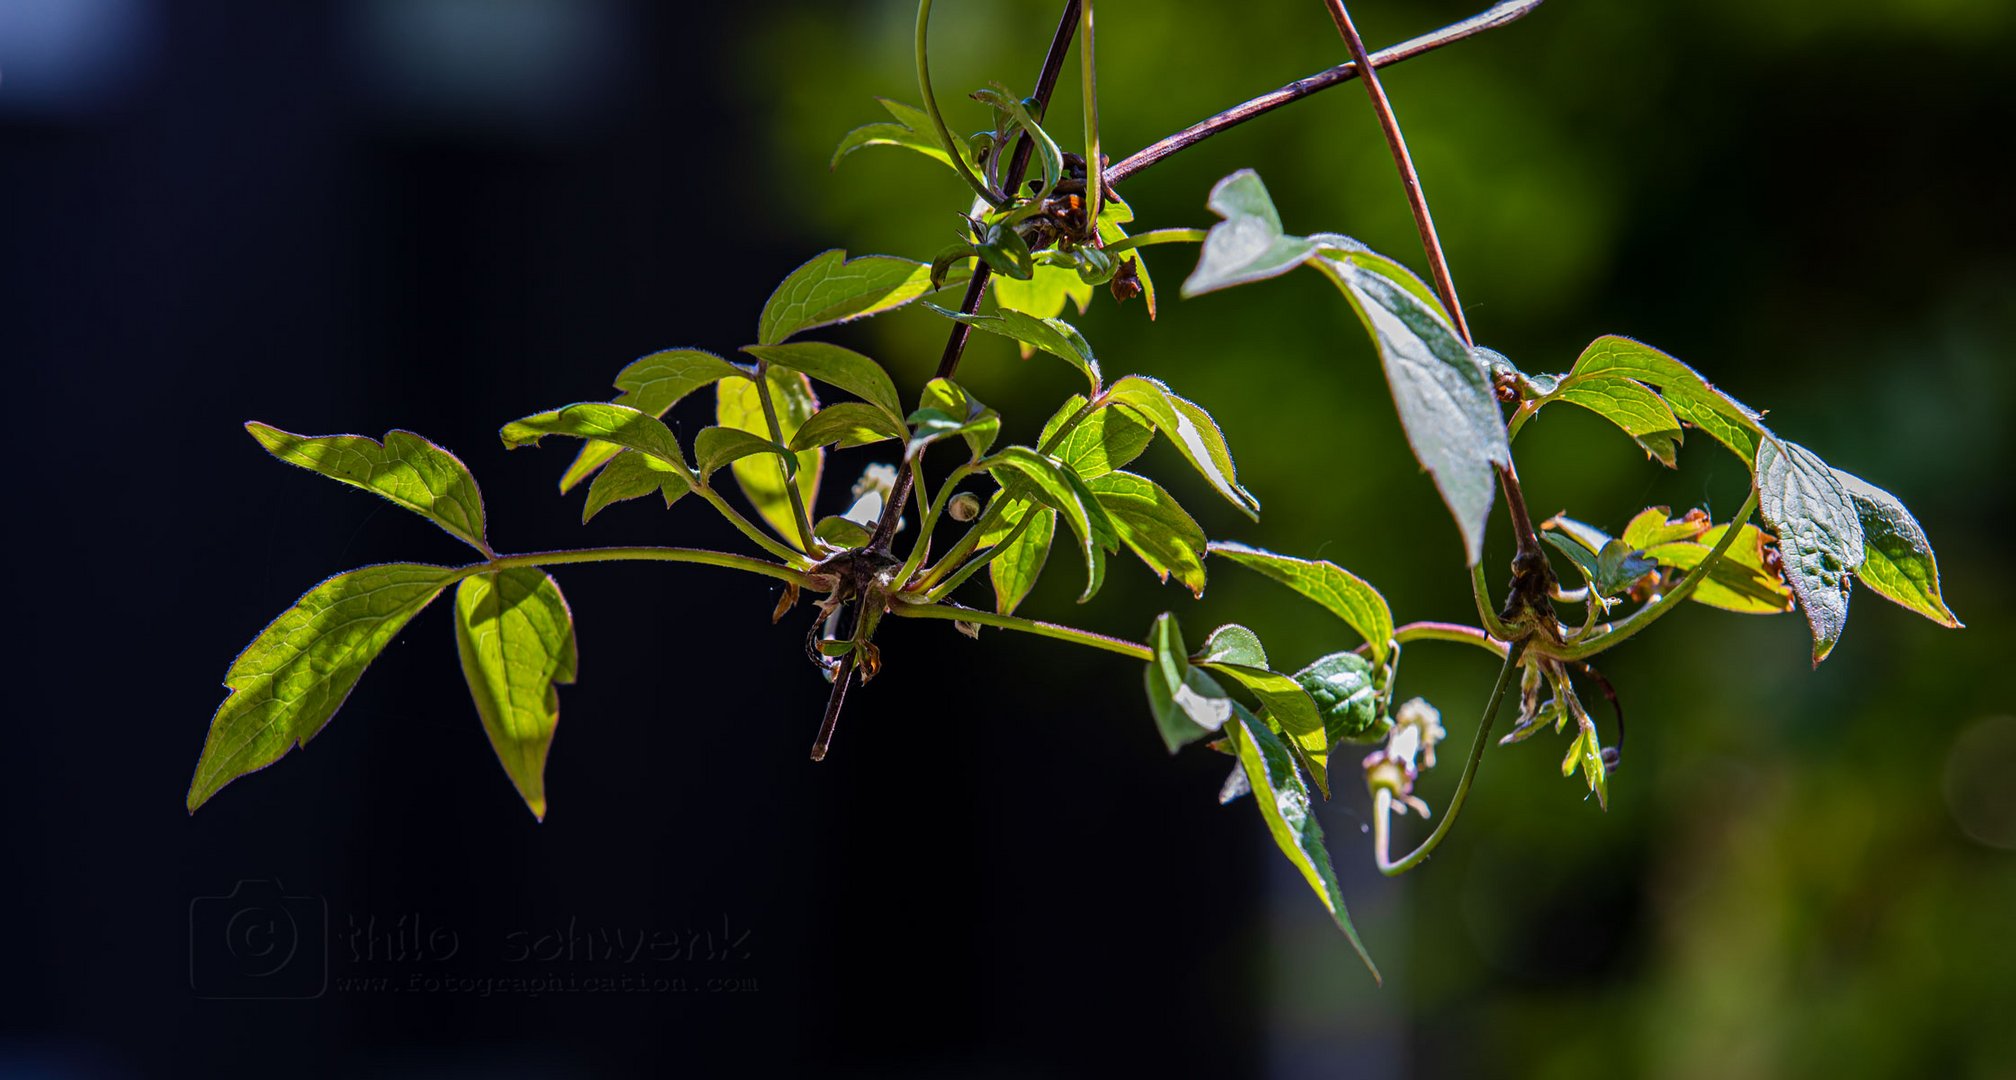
{"type": "Point", "coordinates": [965, 506]}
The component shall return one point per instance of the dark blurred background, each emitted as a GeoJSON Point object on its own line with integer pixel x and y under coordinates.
{"type": "Point", "coordinates": [443, 214]}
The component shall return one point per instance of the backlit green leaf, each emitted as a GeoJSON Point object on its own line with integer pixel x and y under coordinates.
{"type": "Point", "coordinates": [1819, 534]}
{"type": "Point", "coordinates": [1043, 295]}
{"type": "Point", "coordinates": [738, 405]}
{"type": "Point", "coordinates": [1291, 819]}
{"type": "Point", "coordinates": [1442, 390]}
{"type": "Point", "coordinates": [1015, 570]}
{"type": "Point", "coordinates": [295, 675]}
{"type": "Point", "coordinates": [847, 423]}
{"type": "Point", "coordinates": [1338, 590]}
{"type": "Point", "coordinates": [1632, 406]}
{"type": "Point", "coordinates": [1897, 560]}
{"type": "Point", "coordinates": [842, 532]}
{"type": "Point", "coordinates": [1249, 244]}
{"type": "Point", "coordinates": [1107, 439]}
{"type": "Point", "coordinates": [830, 364]}
{"type": "Point", "coordinates": [1053, 336]}
{"type": "Point", "coordinates": [516, 639]}
{"type": "Point", "coordinates": [617, 424]}
{"type": "Point", "coordinates": [1742, 580]}
{"type": "Point", "coordinates": [1187, 704]}
{"type": "Point", "coordinates": [944, 408]}
{"type": "Point", "coordinates": [716, 447]}
{"type": "Point", "coordinates": [631, 475]}
{"type": "Point", "coordinates": [652, 384]}
{"type": "Point", "coordinates": [1061, 489]}
{"type": "Point", "coordinates": [1151, 523]}
{"type": "Point", "coordinates": [405, 469]}
{"type": "Point", "coordinates": [1191, 429]}
{"type": "Point", "coordinates": [831, 288]}
{"type": "Point", "coordinates": [1290, 708]}
{"type": "Point", "coordinates": [1691, 397]}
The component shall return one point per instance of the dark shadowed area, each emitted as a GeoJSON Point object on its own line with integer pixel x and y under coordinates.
{"type": "Point", "coordinates": [440, 215]}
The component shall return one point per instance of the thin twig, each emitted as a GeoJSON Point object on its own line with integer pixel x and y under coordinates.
{"type": "Point", "coordinates": [1498, 15]}
{"type": "Point", "coordinates": [955, 345]}
{"type": "Point", "coordinates": [1532, 575]}
{"type": "Point", "coordinates": [1417, 200]}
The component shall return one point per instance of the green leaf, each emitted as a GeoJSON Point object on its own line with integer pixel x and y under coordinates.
{"type": "Point", "coordinates": [831, 288]}
{"type": "Point", "coordinates": [652, 384]}
{"type": "Point", "coordinates": [1650, 528]}
{"type": "Point", "coordinates": [944, 408]}
{"type": "Point", "coordinates": [1341, 684]}
{"type": "Point", "coordinates": [1582, 557]}
{"type": "Point", "coordinates": [1443, 392]}
{"type": "Point", "coordinates": [405, 469]}
{"type": "Point", "coordinates": [1632, 406]}
{"type": "Point", "coordinates": [1336, 589]}
{"type": "Point", "coordinates": [1285, 804]}
{"type": "Point", "coordinates": [1061, 489]}
{"type": "Point", "coordinates": [912, 130]}
{"type": "Point", "coordinates": [716, 447]}
{"type": "Point", "coordinates": [848, 423]}
{"type": "Point", "coordinates": [1014, 571]}
{"type": "Point", "coordinates": [632, 475]}
{"type": "Point", "coordinates": [1053, 336]}
{"type": "Point", "coordinates": [1233, 644]}
{"type": "Point", "coordinates": [1249, 244]}
{"type": "Point", "coordinates": [1151, 523]}
{"type": "Point", "coordinates": [1191, 429]}
{"type": "Point", "coordinates": [842, 532]}
{"type": "Point", "coordinates": [1742, 580]}
{"type": "Point", "coordinates": [1048, 157]}
{"type": "Point", "coordinates": [830, 364]}
{"type": "Point", "coordinates": [1819, 533]}
{"type": "Point", "coordinates": [1290, 707]}
{"type": "Point", "coordinates": [1107, 439]}
{"type": "Point", "coordinates": [1610, 566]}
{"type": "Point", "coordinates": [762, 479]}
{"type": "Point", "coordinates": [1043, 295]}
{"type": "Point", "coordinates": [516, 639]}
{"type": "Point", "coordinates": [1897, 560]}
{"type": "Point", "coordinates": [295, 675]}
{"type": "Point", "coordinates": [617, 424]}
{"type": "Point", "coordinates": [1187, 704]}
{"type": "Point", "coordinates": [1692, 398]}
{"type": "Point", "coordinates": [1586, 753]}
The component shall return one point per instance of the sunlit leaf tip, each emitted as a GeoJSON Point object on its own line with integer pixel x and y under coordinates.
{"type": "Point", "coordinates": [515, 636]}
{"type": "Point", "coordinates": [404, 469]}
{"type": "Point", "coordinates": [297, 672]}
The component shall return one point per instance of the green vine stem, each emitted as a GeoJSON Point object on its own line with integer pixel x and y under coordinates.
{"type": "Point", "coordinates": [746, 527]}
{"type": "Point", "coordinates": [1382, 800]}
{"type": "Point", "coordinates": [699, 556]}
{"type": "Point", "coordinates": [1095, 168]}
{"type": "Point", "coordinates": [1055, 631]}
{"type": "Point", "coordinates": [1614, 633]}
{"type": "Point", "coordinates": [1157, 236]}
{"type": "Point", "coordinates": [937, 118]}
{"type": "Point", "coordinates": [799, 514]}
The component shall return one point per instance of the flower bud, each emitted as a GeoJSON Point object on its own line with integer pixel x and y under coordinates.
{"type": "Point", "coordinates": [965, 506]}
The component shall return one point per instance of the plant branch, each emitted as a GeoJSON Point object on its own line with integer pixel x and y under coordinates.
{"type": "Point", "coordinates": [745, 526]}
{"type": "Point", "coordinates": [1383, 799]}
{"type": "Point", "coordinates": [1498, 15]}
{"type": "Point", "coordinates": [701, 556]}
{"type": "Point", "coordinates": [1645, 616]}
{"type": "Point", "coordinates": [1054, 631]}
{"type": "Point", "coordinates": [798, 512]}
{"type": "Point", "coordinates": [1532, 576]}
{"type": "Point", "coordinates": [976, 287]}
{"type": "Point", "coordinates": [938, 118]}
